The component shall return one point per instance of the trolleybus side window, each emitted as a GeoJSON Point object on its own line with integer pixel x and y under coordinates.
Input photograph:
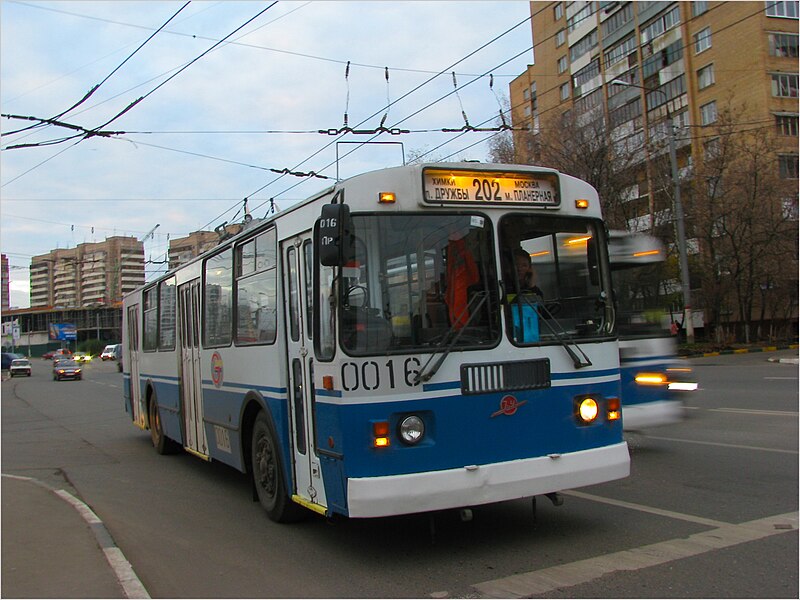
{"type": "Point", "coordinates": [308, 262]}
{"type": "Point", "coordinates": [218, 301]}
{"type": "Point", "coordinates": [294, 293]}
{"type": "Point", "coordinates": [166, 314]}
{"type": "Point", "coordinates": [256, 290]}
{"type": "Point", "coordinates": [419, 281]}
{"type": "Point", "coordinates": [150, 316]}
{"type": "Point", "coordinates": [325, 317]}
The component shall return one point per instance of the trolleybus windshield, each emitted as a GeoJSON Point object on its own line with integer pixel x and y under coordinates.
{"type": "Point", "coordinates": [414, 278]}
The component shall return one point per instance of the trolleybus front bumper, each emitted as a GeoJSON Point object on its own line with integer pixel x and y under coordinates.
{"type": "Point", "coordinates": [473, 485]}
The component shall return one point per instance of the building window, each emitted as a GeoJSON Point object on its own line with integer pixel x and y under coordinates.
{"type": "Point", "coordinates": [558, 11]}
{"type": "Point", "coordinates": [787, 9]}
{"type": "Point", "coordinates": [579, 17]}
{"type": "Point", "coordinates": [783, 45]}
{"type": "Point", "coordinates": [705, 77]}
{"type": "Point", "coordinates": [560, 38]}
{"type": "Point", "coordinates": [702, 40]}
{"type": "Point", "coordinates": [562, 64]}
{"type": "Point", "coordinates": [615, 54]}
{"type": "Point", "coordinates": [789, 208]}
{"type": "Point", "coordinates": [711, 148]}
{"type": "Point", "coordinates": [527, 110]}
{"type": "Point", "coordinates": [564, 91]}
{"type": "Point", "coordinates": [788, 166]}
{"type": "Point", "coordinates": [661, 25]}
{"type": "Point", "coordinates": [784, 85]}
{"type": "Point", "coordinates": [618, 19]}
{"type": "Point", "coordinates": [526, 94]}
{"type": "Point", "coordinates": [583, 46]}
{"type": "Point", "coordinates": [698, 8]}
{"type": "Point", "coordinates": [786, 125]}
{"type": "Point", "coordinates": [708, 113]}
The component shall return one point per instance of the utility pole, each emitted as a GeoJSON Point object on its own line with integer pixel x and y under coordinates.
{"type": "Point", "coordinates": [680, 231]}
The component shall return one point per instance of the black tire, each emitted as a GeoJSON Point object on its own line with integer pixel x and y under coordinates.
{"type": "Point", "coordinates": [161, 442]}
{"type": "Point", "coordinates": [267, 473]}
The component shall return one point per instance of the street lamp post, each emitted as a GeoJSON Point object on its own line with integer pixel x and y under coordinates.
{"type": "Point", "coordinates": [680, 231]}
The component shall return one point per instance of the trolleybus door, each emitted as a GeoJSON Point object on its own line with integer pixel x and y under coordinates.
{"type": "Point", "coordinates": [296, 255]}
{"type": "Point", "coordinates": [191, 382]}
{"type": "Point", "coordinates": [137, 414]}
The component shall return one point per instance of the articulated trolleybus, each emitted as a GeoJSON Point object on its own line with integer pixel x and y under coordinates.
{"type": "Point", "coordinates": [412, 339]}
{"type": "Point", "coordinates": [654, 382]}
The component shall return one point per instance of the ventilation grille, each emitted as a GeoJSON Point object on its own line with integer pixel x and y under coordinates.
{"type": "Point", "coordinates": [505, 377]}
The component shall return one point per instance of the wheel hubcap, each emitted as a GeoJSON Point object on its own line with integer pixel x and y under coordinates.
{"type": "Point", "coordinates": [266, 466]}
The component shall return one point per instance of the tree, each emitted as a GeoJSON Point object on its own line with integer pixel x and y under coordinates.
{"type": "Point", "coordinates": [748, 238]}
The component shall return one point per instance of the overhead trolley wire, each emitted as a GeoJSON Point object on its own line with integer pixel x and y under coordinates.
{"type": "Point", "coordinates": [82, 136]}
{"type": "Point", "coordinates": [97, 86]}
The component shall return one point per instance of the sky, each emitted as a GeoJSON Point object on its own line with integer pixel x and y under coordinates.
{"type": "Point", "coordinates": [214, 119]}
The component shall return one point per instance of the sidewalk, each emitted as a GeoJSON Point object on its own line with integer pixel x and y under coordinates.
{"type": "Point", "coordinates": [53, 546]}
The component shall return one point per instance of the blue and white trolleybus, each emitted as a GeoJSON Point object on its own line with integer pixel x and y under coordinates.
{"type": "Point", "coordinates": [412, 339]}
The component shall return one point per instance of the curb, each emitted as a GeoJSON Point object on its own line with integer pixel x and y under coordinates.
{"type": "Point", "coordinates": [742, 351]}
{"type": "Point", "coordinates": [130, 583]}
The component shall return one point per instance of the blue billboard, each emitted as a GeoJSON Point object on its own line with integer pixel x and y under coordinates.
{"type": "Point", "coordinates": [63, 331]}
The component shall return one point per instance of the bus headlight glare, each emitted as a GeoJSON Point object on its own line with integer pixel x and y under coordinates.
{"type": "Point", "coordinates": [588, 410]}
{"type": "Point", "coordinates": [412, 430]}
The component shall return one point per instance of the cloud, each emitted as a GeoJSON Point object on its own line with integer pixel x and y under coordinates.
{"type": "Point", "coordinates": [267, 80]}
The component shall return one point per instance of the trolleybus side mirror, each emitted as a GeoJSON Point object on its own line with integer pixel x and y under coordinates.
{"type": "Point", "coordinates": [334, 235]}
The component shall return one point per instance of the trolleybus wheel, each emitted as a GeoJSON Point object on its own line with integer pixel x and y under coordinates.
{"type": "Point", "coordinates": [161, 442]}
{"type": "Point", "coordinates": [268, 475]}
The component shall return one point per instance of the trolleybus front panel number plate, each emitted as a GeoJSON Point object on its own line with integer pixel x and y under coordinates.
{"type": "Point", "coordinates": [482, 187]}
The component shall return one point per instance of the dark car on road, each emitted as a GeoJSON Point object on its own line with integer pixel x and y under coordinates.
{"type": "Point", "coordinates": [7, 358]}
{"type": "Point", "coordinates": [66, 369]}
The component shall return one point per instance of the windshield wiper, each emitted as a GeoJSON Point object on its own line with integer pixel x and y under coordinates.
{"type": "Point", "coordinates": [425, 376]}
{"type": "Point", "coordinates": [562, 336]}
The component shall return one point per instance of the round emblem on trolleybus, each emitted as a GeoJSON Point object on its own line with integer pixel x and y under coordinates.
{"type": "Point", "coordinates": [216, 369]}
{"type": "Point", "coordinates": [508, 406]}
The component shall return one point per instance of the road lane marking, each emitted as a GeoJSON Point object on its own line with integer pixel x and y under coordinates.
{"type": "Point", "coordinates": [564, 576]}
{"type": "Point", "coordinates": [647, 509]}
{"type": "Point", "coordinates": [754, 411]}
{"type": "Point", "coordinates": [721, 444]}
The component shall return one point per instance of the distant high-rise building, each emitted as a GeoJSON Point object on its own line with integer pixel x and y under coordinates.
{"type": "Point", "coordinates": [5, 299]}
{"type": "Point", "coordinates": [92, 274]}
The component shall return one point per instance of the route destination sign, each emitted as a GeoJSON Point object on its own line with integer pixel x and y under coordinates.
{"type": "Point", "coordinates": [450, 186]}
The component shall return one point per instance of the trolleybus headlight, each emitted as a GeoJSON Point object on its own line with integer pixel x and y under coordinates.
{"type": "Point", "coordinates": [412, 430]}
{"type": "Point", "coordinates": [587, 410]}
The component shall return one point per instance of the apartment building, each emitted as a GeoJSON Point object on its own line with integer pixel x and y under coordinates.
{"type": "Point", "coordinates": [5, 301]}
{"type": "Point", "coordinates": [183, 250]}
{"type": "Point", "coordinates": [686, 59]}
{"type": "Point", "coordinates": [92, 274]}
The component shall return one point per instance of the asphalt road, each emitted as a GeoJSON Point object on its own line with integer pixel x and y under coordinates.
{"type": "Point", "coordinates": [710, 509]}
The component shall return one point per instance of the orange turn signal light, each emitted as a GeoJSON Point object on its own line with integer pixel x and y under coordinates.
{"type": "Point", "coordinates": [380, 432]}
{"type": "Point", "coordinates": [387, 197]}
{"type": "Point", "coordinates": [613, 409]}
